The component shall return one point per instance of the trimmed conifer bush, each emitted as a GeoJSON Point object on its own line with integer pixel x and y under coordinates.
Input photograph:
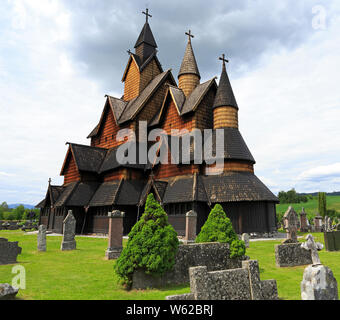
{"type": "Point", "coordinates": [218, 228]}
{"type": "Point", "coordinates": [152, 244]}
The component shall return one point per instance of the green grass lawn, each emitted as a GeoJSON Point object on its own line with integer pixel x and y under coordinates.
{"type": "Point", "coordinates": [333, 202]}
{"type": "Point", "coordinates": [85, 274]}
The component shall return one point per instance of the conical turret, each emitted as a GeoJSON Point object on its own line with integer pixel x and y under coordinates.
{"type": "Point", "coordinates": [189, 76]}
{"type": "Point", "coordinates": [225, 106]}
{"type": "Point", "coordinates": [146, 44]}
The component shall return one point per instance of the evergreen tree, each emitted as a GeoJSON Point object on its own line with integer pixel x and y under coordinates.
{"type": "Point", "coordinates": [152, 244]}
{"type": "Point", "coordinates": [322, 203]}
{"type": "Point", "coordinates": [218, 228]}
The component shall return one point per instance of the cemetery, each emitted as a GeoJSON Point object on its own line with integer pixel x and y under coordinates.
{"type": "Point", "coordinates": [224, 268]}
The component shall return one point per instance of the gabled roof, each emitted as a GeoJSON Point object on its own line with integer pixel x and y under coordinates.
{"type": "Point", "coordinates": [82, 194]}
{"type": "Point", "coordinates": [189, 64]}
{"type": "Point", "coordinates": [134, 106]}
{"type": "Point", "coordinates": [196, 96]}
{"type": "Point", "coordinates": [146, 36]}
{"type": "Point", "coordinates": [184, 189]}
{"type": "Point", "coordinates": [140, 64]}
{"type": "Point", "coordinates": [184, 105]}
{"type": "Point", "coordinates": [87, 158]}
{"type": "Point", "coordinates": [158, 187]}
{"type": "Point", "coordinates": [117, 106]}
{"type": "Point", "coordinates": [225, 95]}
{"type": "Point", "coordinates": [110, 162]}
{"type": "Point", "coordinates": [130, 192]}
{"type": "Point", "coordinates": [106, 194]}
{"type": "Point", "coordinates": [67, 192]}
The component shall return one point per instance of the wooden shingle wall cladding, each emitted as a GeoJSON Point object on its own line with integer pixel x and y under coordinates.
{"type": "Point", "coordinates": [114, 175]}
{"type": "Point", "coordinates": [71, 173]}
{"type": "Point", "coordinates": [132, 82]}
{"type": "Point", "coordinates": [188, 82]}
{"type": "Point", "coordinates": [203, 118]}
{"type": "Point", "coordinates": [108, 133]}
{"type": "Point", "coordinates": [126, 173]}
{"type": "Point", "coordinates": [172, 120]}
{"type": "Point", "coordinates": [225, 117]}
{"type": "Point", "coordinates": [240, 166]}
{"type": "Point", "coordinates": [148, 73]}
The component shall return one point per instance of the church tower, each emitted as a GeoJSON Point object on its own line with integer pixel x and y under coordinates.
{"type": "Point", "coordinates": [189, 76]}
{"type": "Point", "coordinates": [143, 65]}
{"type": "Point", "coordinates": [225, 105]}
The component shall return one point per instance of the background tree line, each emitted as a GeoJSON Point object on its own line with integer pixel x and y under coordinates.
{"type": "Point", "coordinates": [19, 213]}
{"type": "Point", "coordinates": [291, 197]}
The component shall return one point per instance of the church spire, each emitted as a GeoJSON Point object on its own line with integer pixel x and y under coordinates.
{"type": "Point", "coordinates": [189, 75]}
{"type": "Point", "coordinates": [225, 105]}
{"type": "Point", "coordinates": [146, 44]}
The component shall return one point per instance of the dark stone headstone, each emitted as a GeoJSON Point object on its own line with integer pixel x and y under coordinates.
{"type": "Point", "coordinates": [116, 229]}
{"type": "Point", "coordinates": [291, 254]}
{"type": "Point", "coordinates": [9, 251]}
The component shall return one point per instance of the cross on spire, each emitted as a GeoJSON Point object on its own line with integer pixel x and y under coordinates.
{"type": "Point", "coordinates": [49, 181]}
{"type": "Point", "coordinates": [129, 52]}
{"type": "Point", "coordinates": [147, 15]}
{"type": "Point", "coordinates": [190, 35]}
{"type": "Point", "coordinates": [224, 59]}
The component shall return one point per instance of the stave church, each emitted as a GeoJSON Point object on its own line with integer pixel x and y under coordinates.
{"type": "Point", "coordinates": [95, 183]}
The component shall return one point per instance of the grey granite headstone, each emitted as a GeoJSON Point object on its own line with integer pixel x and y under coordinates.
{"type": "Point", "coordinates": [69, 242]}
{"type": "Point", "coordinates": [290, 221]}
{"type": "Point", "coordinates": [42, 238]}
{"type": "Point", "coordinates": [234, 284]}
{"type": "Point", "coordinates": [319, 284]}
{"type": "Point", "coordinates": [245, 238]}
{"type": "Point", "coordinates": [7, 292]}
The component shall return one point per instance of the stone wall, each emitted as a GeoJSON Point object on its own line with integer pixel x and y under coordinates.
{"type": "Point", "coordinates": [235, 284]}
{"type": "Point", "coordinates": [215, 256]}
{"type": "Point", "coordinates": [8, 251]}
{"type": "Point", "coordinates": [291, 254]}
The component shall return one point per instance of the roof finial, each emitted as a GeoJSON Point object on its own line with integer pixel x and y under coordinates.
{"type": "Point", "coordinates": [49, 181]}
{"type": "Point", "coordinates": [129, 52]}
{"type": "Point", "coordinates": [224, 59]}
{"type": "Point", "coordinates": [190, 35]}
{"type": "Point", "coordinates": [147, 15]}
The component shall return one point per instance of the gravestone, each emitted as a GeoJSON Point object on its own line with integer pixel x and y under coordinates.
{"type": "Point", "coordinates": [290, 253]}
{"type": "Point", "coordinates": [318, 280]}
{"type": "Point", "coordinates": [7, 292]}
{"type": "Point", "coordinates": [115, 245]}
{"type": "Point", "coordinates": [190, 227]}
{"type": "Point", "coordinates": [290, 224]}
{"type": "Point", "coordinates": [9, 251]}
{"type": "Point", "coordinates": [245, 237]}
{"type": "Point", "coordinates": [318, 223]}
{"type": "Point", "coordinates": [303, 221]}
{"type": "Point", "coordinates": [42, 238]}
{"type": "Point", "coordinates": [235, 284]}
{"type": "Point", "coordinates": [69, 242]}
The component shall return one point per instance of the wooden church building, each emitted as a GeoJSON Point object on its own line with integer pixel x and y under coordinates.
{"type": "Point", "coordinates": [95, 183]}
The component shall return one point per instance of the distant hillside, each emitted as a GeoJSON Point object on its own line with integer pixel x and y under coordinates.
{"type": "Point", "coordinates": [15, 205]}
{"type": "Point", "coordinates": [314, 194]}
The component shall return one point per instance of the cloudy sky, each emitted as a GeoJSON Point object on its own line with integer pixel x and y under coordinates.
{"type": "Point", "coordinates": [58, 58]}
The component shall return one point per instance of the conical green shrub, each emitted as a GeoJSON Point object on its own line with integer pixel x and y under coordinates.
{"type": "Point", "coordinates": [152, 244]}
{"type": "Point", "coordinates": [218, 228]}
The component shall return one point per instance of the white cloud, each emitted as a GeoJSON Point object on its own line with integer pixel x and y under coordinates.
{"type": "Point", "coordinates": [321, 173]}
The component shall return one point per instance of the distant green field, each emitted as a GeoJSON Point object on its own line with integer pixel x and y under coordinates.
{"type": "Point", "coordinates": [333, 202]}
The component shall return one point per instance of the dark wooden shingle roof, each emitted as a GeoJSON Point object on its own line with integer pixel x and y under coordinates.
{"type": "Point", "coordinates": [237, 186]}
{"type": "Point", "coordinates": [189, 64]}
{"type": "Point", "coordinates": [225, 95]}
{"type": "Point", "coordinates": [106, 194]}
